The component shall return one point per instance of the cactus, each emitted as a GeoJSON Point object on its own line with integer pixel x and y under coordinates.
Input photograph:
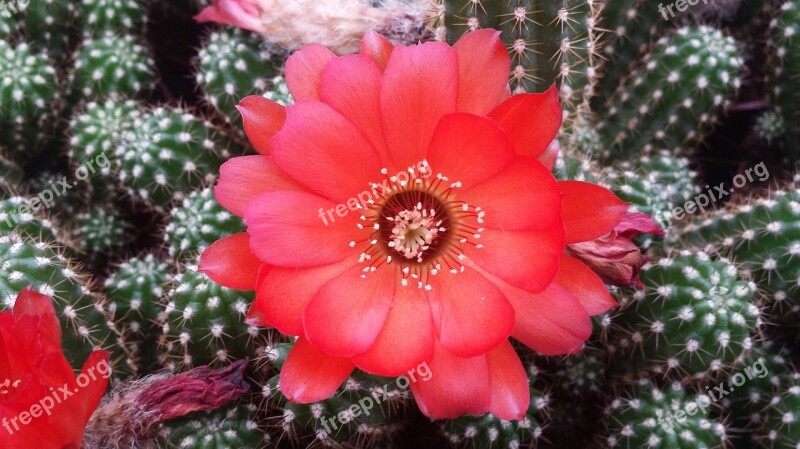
{"type": "Point", "coordinates": [279, 92]}
{"type": "Point", "coordinates": [203, 323]}
{"type": "Point", "coordinates": [111, 66]}
{"type": "Point", "coordinates": [197, 223]}
{"type": "Point", "coordinates": [785, 44]}
{"type": "Point", "coordinates": [134, 291]}
{"type": "Point", "coordinates": [167, 153]}
{"type": "Point", "coordinates": [99, 231]}
{"type": "Point", "coordinates": [783, 416]}
{"type": "Point", "coordinates": [17, 216]}
{"type": "Point", "coordinates": [693, 319]}
{"type": "Point", "coordinates": [661, 418]}
{"type": "Point", "coordinates": [671, 100]}
{"type": "Point", "coordinates": [230, 427]}
{"type": "Point", "coordinates": [46, 24]}
{"type": "Point", "coordinates": [548, 41]}
{"type": "Point", "coordinates": [770, 126]}
{"type": "Point", "coordinates": [96, 17]}
{"type": "Point", "coordinates": [762, 236]}
{"type": "Point", "coordinates": [10, 175]}
{"type": "Point", "coordinates": [231, 66]}
{"type": "Point", "coordinates": [83, 315]}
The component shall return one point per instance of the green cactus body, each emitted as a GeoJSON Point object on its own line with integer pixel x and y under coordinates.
{"type": "Point", "coordinates": [764, 237]}
{"type": "Point", "coordinates": [17, 216]}
{"type": "Point", "coordinates": [84, 316]}
{"type": "Point", "coordinates": [671, 100]}
{"type": "Point", "coordinates": [29, 84]}
{"type": "Point", "coordinates": [10, 175]}
{"type": "Point", "coordinates": [782, 427]}
{"type": "Point", "coordinates": [134, 291]}
{"type": "Point", "coordinates": [548, 41]}
{"type": "Point", "coordinates": [785, 42]}
{"type": "Point", "coordinates": [225, 428]}
{"type": "Point", "coordinates": [112, 65]}
{"type": "Point", "coordinates": [231, 66]}
{"type": "Point", "coordinates": [662, 418]}
{"type": "Point", "coordinates": [95, 17]}
{"type": "Point", "coordinates": [279, 92]}
{"type": "Point", "coordinates": [168, 153]}
{"type": "Point", "coordinates": [47, 25]}
{"type": "Point", "coordinates": [197, 223]}
{"type": "Point", "coordinates": [771, 126]}
{"type": "Point", "coordinates": [99, 231]}
{"type": "Point", "coordinates": [7, 25]}
{"type": "Point", "coordinates": [203, 323]}
{"type": "Point", "coordinates": [693, 319]}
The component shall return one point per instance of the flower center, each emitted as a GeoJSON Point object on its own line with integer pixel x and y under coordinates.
{"type": "Point", "coordinates": [8, 389]}
{"type": "Point", "coordinates": [416, 223]}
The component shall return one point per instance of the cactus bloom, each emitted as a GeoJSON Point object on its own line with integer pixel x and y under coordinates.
{"type": "Point", "coordinates": [42, 403]}
{"type": "Point", "coordinates": [403, 211]}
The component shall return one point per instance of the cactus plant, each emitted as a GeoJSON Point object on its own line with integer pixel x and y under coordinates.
{"type": "Point", "coordinates": [98, 231]}
{"type": "Point", "coordinates": [781, 428]}
{"type": "Point", "coordinates": [785, 62]}
{"type": "Point", "coordinates": [229, 427]}
{"type": "Point", "coordinates": [111, 65]}
{"type": "Point", "coordinates": [96, 17]}
{"type": "Point", "coordinates": [17, 216]}
{"type": "Point", "coordinates": [134, 291]}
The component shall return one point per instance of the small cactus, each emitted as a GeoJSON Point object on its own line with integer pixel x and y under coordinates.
{"type": "Point", "coordinates": [112, 66]}
{"type": "Point", "coordinates": [17, 216]}
{"type": "Point", "coordinates": [785, 44]}
{"type": "Point", "coordinates": [95, 17]}
{"type": "Point", "coordinates": [99, 231]}
{"type": "Point", "coordinates": [229, 427]}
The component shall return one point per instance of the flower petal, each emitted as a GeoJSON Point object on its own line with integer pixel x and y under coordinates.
{"type": "Point", "coordinates": [417, 90]}
{"type": "Point", "coordinates": [243, 178]}
{"type": "Point", "coordinates": [323, 151]}
{"type": "Point", "coordinates": [582, 282]}
{"type": "Point", "coordinates": [458, 386]}
{"type": "Point", "coordinates": [310, 375]}
{"type": "Point", "coordinates": [469, 148]}
{"type": "Point", "coordinates": [483, 68]}
{"type": "Point", "coordinates": [241, 13]}
{"type": "Point", "coordinates": [531, 120]}
{"type": "Point", "coordinates": [511, 395]}
{"type": "Point", "coordinates": [88, 398]}
{"type": "Point", "coordinates": [34, 304]}
{"type": "Point", "coordinates": [470, 314]}
{"type": "Point", "coordinates": [406, 339]}
{"type": "Point", "coordinates": [230, 263]}
{"type": "Point", "coordinates": [526, 259]}
{"type": "Point", "coordinates": [285, 229]}
{"type": "Point", "coordinates": [304, 69]}
{"type": "Point", "coordinates": [351, 85]}
{"type": "Point", "coordinates": [283, 294]}
{"type": "Point", "coordinates": [524, 196]}
{"type": "Point", "coordinates": [589, 211]}
{"type": "Point", "coordinates": [346, 315]}
{"type": "Point", "coordinates": [262, 118]}
{"type": "Point", "coordinates": [376, 47]}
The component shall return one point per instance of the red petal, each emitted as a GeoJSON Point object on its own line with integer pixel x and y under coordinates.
{"type": "Point", "coordinates": [417, 90]}
{"type": "Point", "coordinates": [241, 13]}
{"type": "Point", "coordinates": [582, 282]}
{"type": "Point", "coordinates": [549, 157]}
{"type": "Point", "coordinates": [589, 211]}
{"type": "Point", "coordinates": [261, 118]}
{"type": "Point", "coordinates": [531, 120]}
{"type": "Point", "coordinates": [304, 69]}
{"type": "Point", "coordinates": [243, 178]}
{"type": "Point", "coordinates": [511, 396]}
{"type": "Point", "coordinates": [469, 148]}
{"type": "Point", "coordinates": [483, 69]}
{"type": "Point", "coordinates": [283, 293]}
{"type": "Point", "coordinates": [285, 229]}
{"type": "Point", "coordinates": [377, 47]}
{"type": "Point", "coordinates": [34, 304]}
{"type": "Point", "coordinates": [347, 314]}
{"type": "Point", "coordinates": [230, 263]}
{"type": "Point", "coordinates": [88, 398]}
{"type": "Point", "coordinates": [470, 315]}
{"type": "Point", "coordinates": [535, 256]}
{"type": "Point", "coordinates": [406, 339]}
{"type": "Point", "coordinates": [310, 375]}
{"type": "Point", "coordinates": [322, 150]}
{"type": "Point", "coordinates": [457, 386]}
{"type": "Point", "coordinates": [351, 85]}
{"type": "Point", "coordinates": [524, 196]}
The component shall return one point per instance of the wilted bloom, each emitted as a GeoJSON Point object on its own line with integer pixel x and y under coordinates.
{"type": "Point", "coordinates": [42, 403]}
{"type": "Point", "coordinates": [403, 211]}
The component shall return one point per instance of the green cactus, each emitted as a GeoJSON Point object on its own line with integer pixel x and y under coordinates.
{"type": "Point", "coordinates": [29, 84]}
{"type": "Point", "coordinates": [134, 291]}
{"type": "Point", "coordinates": [764, 237]}
{"type": "Point", "coordinates": [225, 428]}
{"type": "Point", "coordinates": [693, 319]}
{"type": "Point", "coordinates": [782, 427]}
{"type": "Point", "coordinates": [279, 92]}
{"type": "Point", "coordinates": [99, 231]}
{"type": "Point", "coordinates": [662, 418]}
{"type": "Point", "coordinates": [18, 215]}
{"type": "Point", "coordinates": [770, 126]}
{"type": "Point", "coordinates": [232, 65]}
{"type": "Point", "coordinates": [47, 24]}
{"type": "Point", "coordinates": [96, 17]}
{"type": "Point", "coordinates": [83, 315]}
{"type": "Point", "coordinates": [785, 45]}
{"type": "Point", "coordinates": [197, 223]}
{"type": "Point", "coordinates": [167, 153]}
{"type": "Point", "coordinates": [203, 323]}
{"type": "Point", "coordinates": [548, 41]}
{"type": "Point", "coordinates": [112, 65]}
{"type": "Point", "coordinates": [7, 25]}
{"type": "Point", "coordinates": [671, 100]}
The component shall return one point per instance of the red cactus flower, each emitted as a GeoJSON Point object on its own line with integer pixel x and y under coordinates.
{"type": "Point", "coordinates": [42, 403]}
{"type": "Point", "coordinates": [403, 211]}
